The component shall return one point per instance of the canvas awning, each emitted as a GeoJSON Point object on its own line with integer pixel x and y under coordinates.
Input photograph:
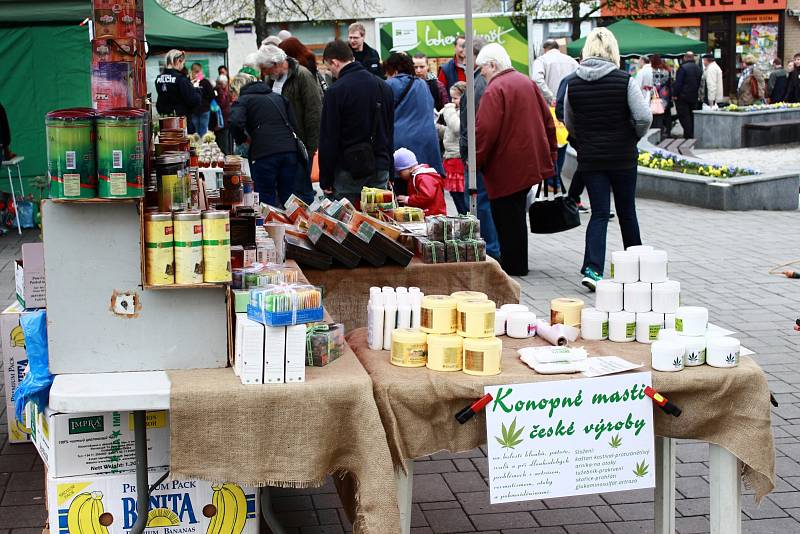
{"type": "Point", "coordinates": [637, 39]}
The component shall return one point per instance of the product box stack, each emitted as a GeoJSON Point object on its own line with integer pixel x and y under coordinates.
{"type": "Point", "coordinates": [640, 303]}
{"type": "Point", "coordinates": [118, 54]}
{"type": "Point", "coordinates": [30, 294]}
{"type": "Point", "coordinates": [451, 240]}
{"type": "Point", "coordinates": [441, 332]}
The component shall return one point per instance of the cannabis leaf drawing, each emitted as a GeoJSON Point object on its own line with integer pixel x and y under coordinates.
{"type": "Point", "coordinates": [678, 362]}
{"type": "Point", "coordinates": [641, 469]}
{"type": "Point", "coordinates": [615, 442]}
{"type": "Point", "coordinates": [693, 357]}
{"type": "Point", "coordinates": [731, 359]}
{"type": "Point", "coordinates": [510, 435]}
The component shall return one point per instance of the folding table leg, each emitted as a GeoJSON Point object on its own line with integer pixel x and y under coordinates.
{"type": "Point", "coordinates": [665, 486]}
{"type": "Point", "coordinates": [405, 486]}
{"type": "Point", "coordinates": [142, 483]}
{"type": "Point", "coordinates": [14, 196]}
{"type": "Point", "coordinates": [269, 515]}
{"type": "Point", "coordinates": [726, 495]}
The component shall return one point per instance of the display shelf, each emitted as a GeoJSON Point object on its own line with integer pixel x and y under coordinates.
{"type": "Point", "coordinates": [204, 285]}
{"type": "Point", "coordinates": [95, 200]}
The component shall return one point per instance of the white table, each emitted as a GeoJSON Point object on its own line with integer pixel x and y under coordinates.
{"type": "Point", "coordinates": [137, 392]}
{"type": "Point", "coordinates": [726, 502]}
{"type": "Point", "coordinates": [14, 162]}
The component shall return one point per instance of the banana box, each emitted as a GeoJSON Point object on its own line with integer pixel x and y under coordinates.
{"type": "Point", "coordinates": [107, 505]}
{"type": "Point", "coordinates": [95, 443]}
{"type": "Point", "coordinates": [15, 361]}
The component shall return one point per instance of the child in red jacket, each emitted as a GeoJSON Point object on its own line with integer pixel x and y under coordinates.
{"type": "Point", "coordinates": [425, 185]}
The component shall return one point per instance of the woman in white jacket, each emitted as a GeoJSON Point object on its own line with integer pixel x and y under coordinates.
{"type": "Point", "coordinates": [453, 165]}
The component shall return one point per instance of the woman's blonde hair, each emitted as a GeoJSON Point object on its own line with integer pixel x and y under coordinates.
{"type": "Point", "coordinates": [601, 43]}
{"type": "Point", "coordinates": [173, 56]}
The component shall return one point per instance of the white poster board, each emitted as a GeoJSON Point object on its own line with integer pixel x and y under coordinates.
{"type": "Point", "coordinates": [570, 437]}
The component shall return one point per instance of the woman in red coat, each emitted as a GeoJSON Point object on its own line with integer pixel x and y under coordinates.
{"type": "Point", "coordinates": [425, 185]}
{"type": "Point", "coordinates": [516, 149]}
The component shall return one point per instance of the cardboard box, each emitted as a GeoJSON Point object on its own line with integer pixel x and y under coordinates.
{"type": "Point", "coordinates": [15, 361]}
{"type": "Point", "coordinates": [29, 276]}
{"type": "Point", "coordinates": [251, 351]}
{"type": "Point", "coordinates": [87, 444]}
{"type": "Point", "coordinates": [274, 354]}
{"type": "Point", "coordinates": [296, 353]}
{"type": "Point", "coordinates": [82, 504]}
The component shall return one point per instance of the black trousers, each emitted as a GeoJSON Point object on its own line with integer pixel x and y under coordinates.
{"type": "Point", "coordinates": [686, 117]}
{"type": "Point", "coordinates": [576, 187]}
{"type": "Point", "coordinates": [510, 219]}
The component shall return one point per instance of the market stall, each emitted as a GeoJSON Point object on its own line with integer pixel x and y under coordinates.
{"type": "Point", "coordinates": [636, 39]}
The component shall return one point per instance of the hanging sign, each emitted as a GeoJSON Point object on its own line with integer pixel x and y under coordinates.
{"type": "Point", "coordinates": [570, 437]}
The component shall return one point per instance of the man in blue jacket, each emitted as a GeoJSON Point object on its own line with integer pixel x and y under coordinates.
{"type": "Point", "coordinates": [357, 127]}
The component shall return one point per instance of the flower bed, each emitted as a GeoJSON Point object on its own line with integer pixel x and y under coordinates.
{"type": "Point", "coordinates": [670, 162]}
{"type": "Point", "coordinates": [760, 107]}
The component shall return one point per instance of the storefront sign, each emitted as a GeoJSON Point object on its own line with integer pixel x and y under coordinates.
{"type": "Point", "coordinates": [622, 8]}
{"type": "Point", "coordinates": [758, 18]}
{"type": "Point", "coordinates": [436, 37]}
{"type": "Point", "coordinates": [570, 437]}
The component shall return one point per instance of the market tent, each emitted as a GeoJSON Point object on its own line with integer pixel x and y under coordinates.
{"type": "Point", "coordinates": [32, 34]}
{"type": "Point", "coordinates": [637, 39]}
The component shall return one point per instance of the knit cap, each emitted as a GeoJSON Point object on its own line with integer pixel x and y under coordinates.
{"type": "Point", "coordinates": [404, 159]}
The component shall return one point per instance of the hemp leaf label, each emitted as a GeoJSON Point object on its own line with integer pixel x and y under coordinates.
{"type": "Point", "coordinates": [641, 469]}
{"type": "Point", "coordinates": [615, 442]}
{"type": "Point", "coordinates": [511, 435]}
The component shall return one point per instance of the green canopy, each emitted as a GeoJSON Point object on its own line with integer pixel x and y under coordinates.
{"type": "Point", "coordinates": [637, 39]}
{"type": "Point", "coordinates": [165, 30]}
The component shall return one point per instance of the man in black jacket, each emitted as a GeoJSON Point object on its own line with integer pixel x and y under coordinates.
{"type": "Point", "coordinates": [358, 104]}
{"type": "Point", "coordinates": [362, 52]}
{"type": "Point", "coordinates": [176, 96]}
{"type": "Point", "coordinates": [686, 92]}
{"type": "Point", "coordinates": [793, 83]}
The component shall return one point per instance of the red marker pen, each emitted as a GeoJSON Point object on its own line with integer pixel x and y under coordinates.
{"type": "Point", "coordinates": [469, 412]}
{"type": "Point", "coordinates": [662, 402]}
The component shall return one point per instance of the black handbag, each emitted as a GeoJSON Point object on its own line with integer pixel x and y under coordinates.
{"type": "Point", "coordinates": [552, 215]}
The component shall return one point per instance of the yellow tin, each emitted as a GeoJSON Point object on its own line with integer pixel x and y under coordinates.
{"type": "Point", "coordinates": [188, 247]}
{"type": "Point", "coordinates": [409, 348]}
{"type": "Point", "coordinates": [438, 314]}
{"type": "Point", "coordinates": [468, 295]}
{"type": "Point", "coordinates": [482, 356]}
{"type": "Point", "coordinates": [158, 243]}
{"type": "Point", "coordinates": [445, 352]}
{"type": "Point", "coordinates": [566, 311]}
{"type": "Point", "coordinates": [216, 246]}
{"type": "Point", "coordinates": [476, 318]}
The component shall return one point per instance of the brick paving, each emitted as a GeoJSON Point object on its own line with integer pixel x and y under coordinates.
{"type": "Point", "coordinates": [721, 260]}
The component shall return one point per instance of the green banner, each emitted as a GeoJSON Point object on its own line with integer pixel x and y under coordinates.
{"type": "Point", "coordinates": [436, 37]}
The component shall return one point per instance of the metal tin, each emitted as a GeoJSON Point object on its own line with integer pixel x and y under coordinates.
{"type": "Point", "coordinates": [120, 153]}
{"type": "Point", "coordinates": [476, 318]}
{"type": "Point", "coordinates": [71, 153]}
{"type": "Point", "coordinates": [171, 183]}
{"type": "Point", "coordinates": [438, 314]}
{"type": "Point", "coordinates": [188, 247]}
{"type": "Point", "coordinates": [482, 356]}
{"type": "Point", "coordinates": [158, 243]}
{"type": "Point", "coordinates": [216, 246]}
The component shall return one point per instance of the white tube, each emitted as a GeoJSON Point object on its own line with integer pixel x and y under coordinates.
{"type": "Point", "coordinates": [416, 308]}
{"type": "Point", "coordinates": [389, 320]}
{"type": "Point", "coordinates": [403, 310]}
{"type": "Point", "coordinates": [375, 314]}
{"type": "Point", "coordinates": [556, 334]}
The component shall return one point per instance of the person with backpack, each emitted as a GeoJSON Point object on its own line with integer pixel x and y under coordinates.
{"type": "Point", "coordinates": [751, 89]}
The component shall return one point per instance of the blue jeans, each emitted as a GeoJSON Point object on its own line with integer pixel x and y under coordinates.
{"type": "Point", "coordinates": [200, 122]}
{"type": "Point", "coordinates": [599, 184]}
{"type": "Point", "coordinates": [488, 230]}
{"type": "Point", "coordinates": [274, 177]}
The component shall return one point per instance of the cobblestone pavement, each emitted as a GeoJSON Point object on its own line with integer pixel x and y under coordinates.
{"type": "Point", "coordinates": [721, 260]}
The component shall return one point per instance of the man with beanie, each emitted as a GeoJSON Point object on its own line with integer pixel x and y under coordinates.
{"type": "Point", "coordinates": [425, 185]}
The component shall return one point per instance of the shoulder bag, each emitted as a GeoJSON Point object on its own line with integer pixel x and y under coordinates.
{"type": "Point", "coordinates": [656, 104]}
{"type": "Point", "coordinates": [302, 152]}
{"type": "Point", "coordinates": [552, 215]}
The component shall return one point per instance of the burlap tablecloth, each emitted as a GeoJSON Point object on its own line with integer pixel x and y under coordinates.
{"type": "Point", "coordinates": [288, 436]}
{"type": "Point", "coordinates": [347, 290]}
{"type": "Point", "coordinates": [728, 407]}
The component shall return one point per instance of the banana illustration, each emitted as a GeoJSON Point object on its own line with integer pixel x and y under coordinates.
{"type": "Point", "coordinates": [17, 337]}
{"type": "Point", "coordinates": [84, 514]}
{"type": "Point", "coordinates": [231, 505]}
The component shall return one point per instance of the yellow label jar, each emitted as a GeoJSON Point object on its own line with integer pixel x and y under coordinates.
{"type": "Point", "coordinates": [188, 248]}
{"type": "Point", "coordinates": [216, 246]}
{"type": "Point", "coordinates": [445, 352]}
{"type": "Point", "coordinates": [409, 348]}
{"type": "Point", "coordinates": [461, 296]}
{"type": "Point", "coordinates": [438, 314]}
{"type": "Point", "coordinates": [566, 311]}
{"type": "Point", "coordinates": [476, 318]}
{"type": "Point", "coordinates": [158, 242]}
{"type": "Point", "coordinates": [482, 356]}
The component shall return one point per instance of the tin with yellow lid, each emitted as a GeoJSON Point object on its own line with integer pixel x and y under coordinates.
{"type": "Point", "coordinates": [461, 296]}
{"type": "Point", "coordinates": [445, 352]}
{"type": "Point", "coordinates": [482, 356]}
{"type": "Point", "coordinates": [438, 314]}
{"type": "Point", "coordinates": [409, 348]}
{"type": "Point", "coordinates": [476, 318]}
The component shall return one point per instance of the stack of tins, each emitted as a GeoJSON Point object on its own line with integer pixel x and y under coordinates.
{"type": "Point", "coordinates": [71, 153]}
{"type": "Point", "coordinates": [121, 153]}
{"type": "Point", "coordinates": [187, 248]}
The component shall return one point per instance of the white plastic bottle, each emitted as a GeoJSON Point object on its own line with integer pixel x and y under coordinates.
{"type": "Point", "coordinates": [389, 319]}
{"type": "Point", "coordinates": [375, 313]}
{"type": "Point", "coordinates": [403, 310]}
{"type": "Point", "coordinates": [416, 307]}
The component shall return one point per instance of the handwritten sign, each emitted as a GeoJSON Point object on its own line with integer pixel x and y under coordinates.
{"type": "Point", "coordinates": [570, 437]}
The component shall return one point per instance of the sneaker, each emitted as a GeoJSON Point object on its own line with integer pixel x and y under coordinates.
{"type": "Point", "coordinates": [590, 279]}
{"type": "Point", "coordinates": [582, 208]}
{"type": "Point", "coordinates": [611, 214]}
